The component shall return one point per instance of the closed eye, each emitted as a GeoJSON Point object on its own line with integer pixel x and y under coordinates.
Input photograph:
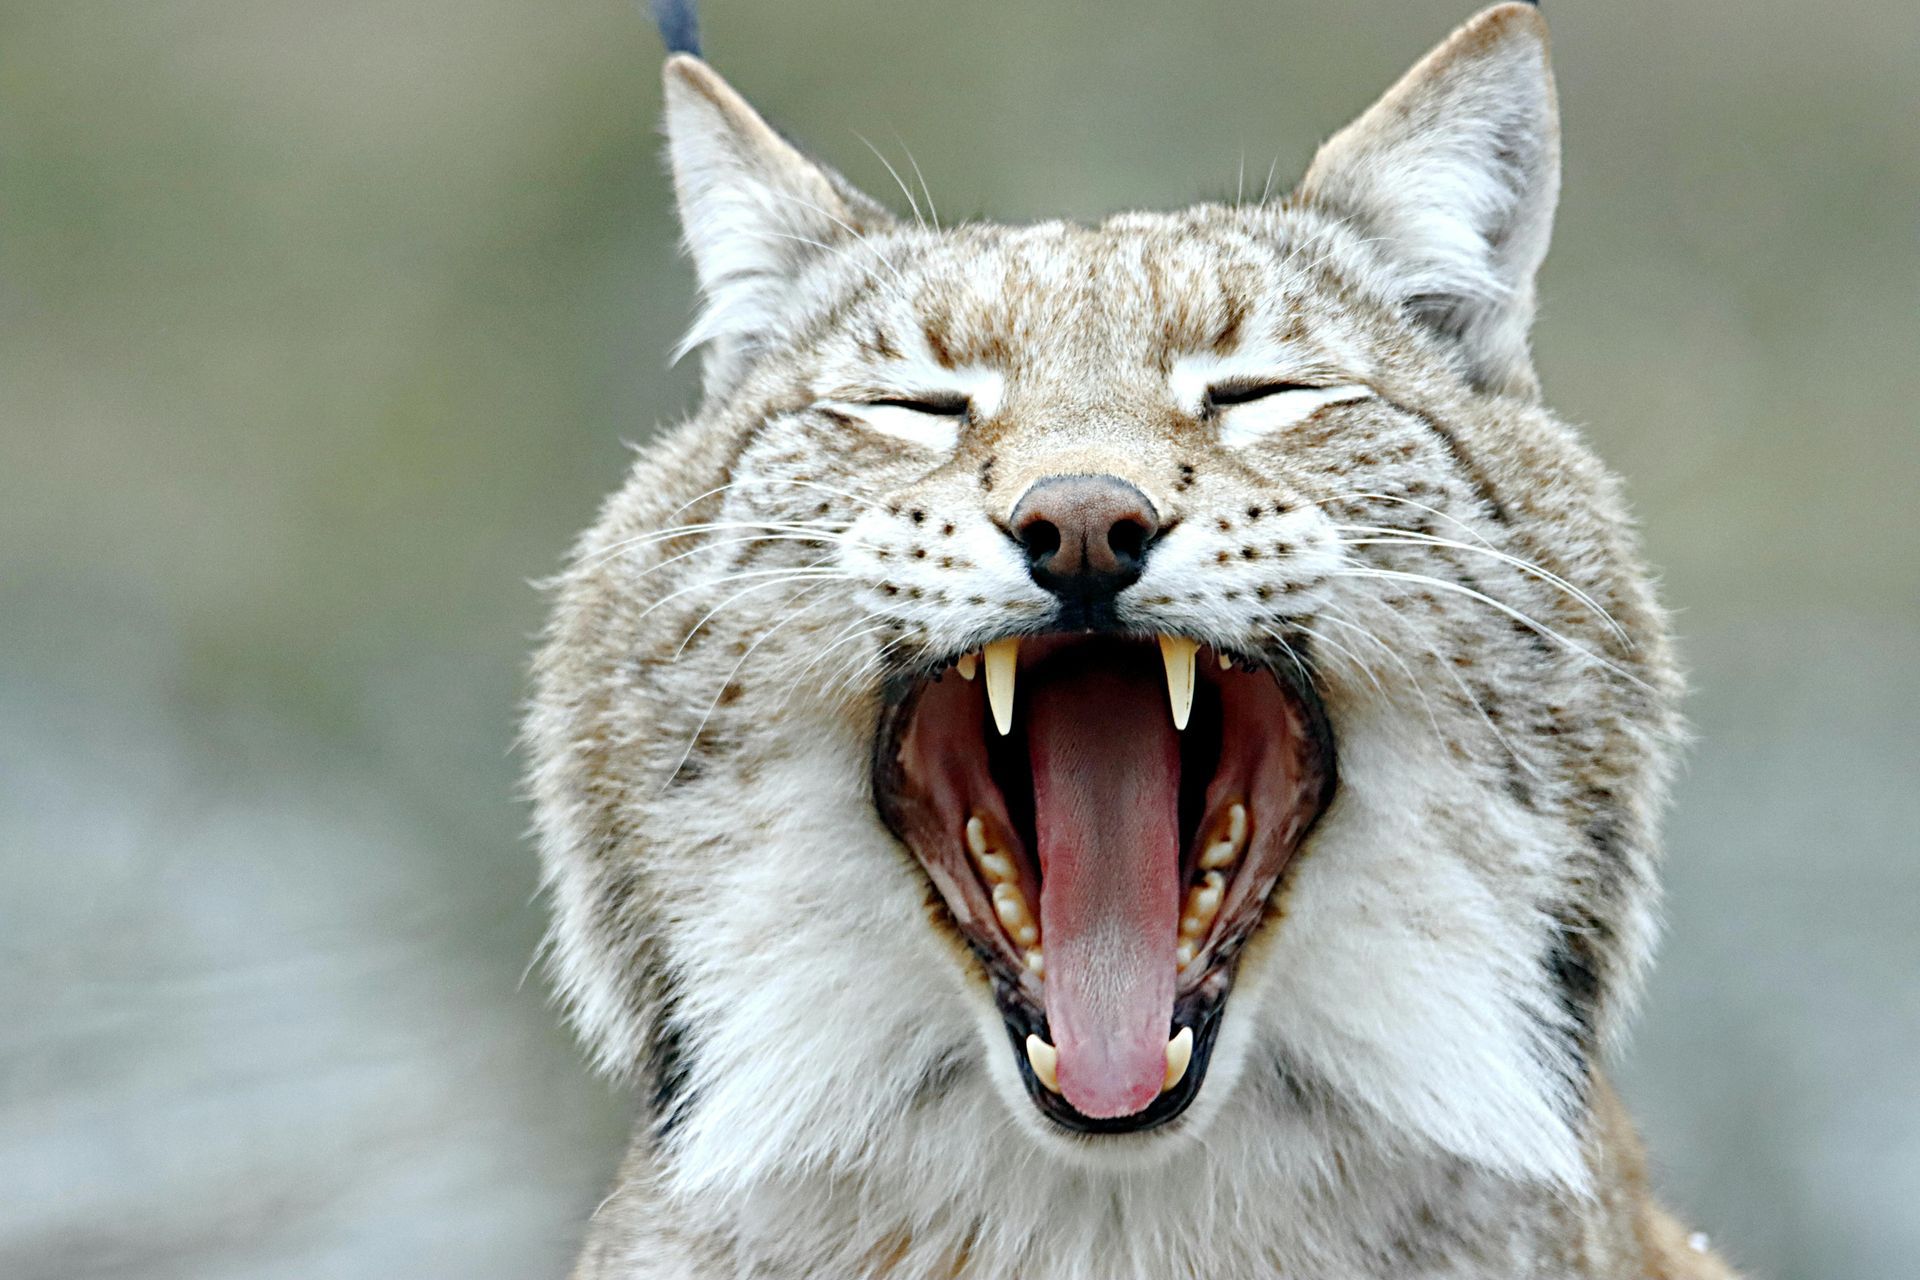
{"type": "Point", "coordinates": [1249, 410]}
{"type": "Point", "coordinates": [1224, 395]}
{"type": "Point", "coordinates": [931, 420]}
{"type": "Point", "coordinates": [945, 405]}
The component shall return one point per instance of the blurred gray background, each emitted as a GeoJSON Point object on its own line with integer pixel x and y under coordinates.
{"type": "Point", "coordinates": [321, 330]}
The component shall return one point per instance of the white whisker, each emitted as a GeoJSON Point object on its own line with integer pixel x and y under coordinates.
{"type": "Point", "coordinates": [1531, 623]}
{"type": "Point", "coordinates": [1414, 537]}
{"type": "Point", "coordinates": [925, 190]}
{"type": "Point", "coordinates": [898, 181]}
{"type": "Point", "coordinates": [719, 693]}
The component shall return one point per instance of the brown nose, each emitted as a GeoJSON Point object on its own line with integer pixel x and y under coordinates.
{"type": "Point", "coordinates": [1085, 537]}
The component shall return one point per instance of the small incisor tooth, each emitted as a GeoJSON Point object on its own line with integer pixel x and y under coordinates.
{"type": "Point", "coordinates": [977, 838]}
{"type": "Point", "coordinates": [1226, 662]}
{"type": "Point", "coordinates": [1179, 1054]}
{"type": "Point", "coordinates": [1036, 963]}
{"type": "Point", "coordinates": [1045, 1061]}
{"type": "Point", "coordinates": [967, 664]}
{"type": "Point", "coordinates": [1183, 954]}
{"type": "Point", "coordinates": [1177, 652]}
{"type": "Point", "coordinates": [1003, 657]}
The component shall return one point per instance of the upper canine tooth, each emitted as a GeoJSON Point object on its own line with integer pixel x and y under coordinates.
{"type": "Point", "coordinates": [1045, 1061]}
{"type": "Point", "coordinates": [1179, 1054]}
{"type": "Point", "coordinates": [1003, 656]}
{"type": "Point", "coordinates": [966, 664]}
{"type": "Point", "coordinates": [1177, 652]}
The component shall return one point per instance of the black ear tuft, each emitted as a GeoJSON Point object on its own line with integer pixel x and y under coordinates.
{"type": "Point", "coordinates": [679, 23]}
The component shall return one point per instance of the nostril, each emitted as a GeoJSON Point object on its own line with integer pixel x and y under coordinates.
{"type": "Point", "coordinates": [1041, 538]}
{"type": "Point", "coordinates": [1128, 538]}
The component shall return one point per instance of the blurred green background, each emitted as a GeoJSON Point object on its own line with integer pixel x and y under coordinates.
{"type": "Point", "coordinates": [322, 327]}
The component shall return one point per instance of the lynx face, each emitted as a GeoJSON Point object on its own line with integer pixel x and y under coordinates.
{"type": "Point", "coordinates": [1153, 681]}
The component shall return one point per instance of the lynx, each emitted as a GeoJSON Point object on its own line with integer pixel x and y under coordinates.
{"type": "Point", "coordinates": [1126, 751]}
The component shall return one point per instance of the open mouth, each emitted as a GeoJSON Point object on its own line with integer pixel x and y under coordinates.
{"type": "Point", "coordinates": [1106, 842]}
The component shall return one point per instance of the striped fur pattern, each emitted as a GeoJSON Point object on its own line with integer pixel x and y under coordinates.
{"type": "Point", "coordinates": [1409, 1080]}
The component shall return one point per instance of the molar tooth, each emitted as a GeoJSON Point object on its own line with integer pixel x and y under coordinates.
{"type": "Point", "coordinates": [1227, 846]}
{"type": "Point", "coordinates": [1213, 888]}
{"type": "Point", "coordinates": [1179, 1054]}
{"type": "Point", "coordinates": [1045, 1061]}
{"type": "Point", "coordinates": [998, 868]}
{"type": "Point", "coordinates": [1203, 904]}
{"type": "Point", "coordinates": [1011, 906]}
{"type": "Point", "coordinates": [967, 664]}
{"type": "Point", "coordinates": [1003, 656]}
{"type": "Point", "coordinates": [1177, 652]}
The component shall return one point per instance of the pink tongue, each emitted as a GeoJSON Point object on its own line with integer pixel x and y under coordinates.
{"type": "Point", "coordinates": [1106, 795]}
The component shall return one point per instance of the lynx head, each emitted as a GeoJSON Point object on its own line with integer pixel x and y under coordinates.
{"type": "Point", "coordinates": [1076, 690]}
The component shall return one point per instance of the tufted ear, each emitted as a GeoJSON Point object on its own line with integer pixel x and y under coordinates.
{"type": "Point", "coordinates": [1455, 172]}
{"type": "Point", "coordinates": [754, 212]}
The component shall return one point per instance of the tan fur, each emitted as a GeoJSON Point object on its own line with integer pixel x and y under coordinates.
{"type": "Point", "coordinates": [1409, 1082]}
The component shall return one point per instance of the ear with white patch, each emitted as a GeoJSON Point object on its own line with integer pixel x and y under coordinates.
{"type": "Point", "coordinates": [754, 212]}
{"type": "Point", "coordinates": [1455, 174]}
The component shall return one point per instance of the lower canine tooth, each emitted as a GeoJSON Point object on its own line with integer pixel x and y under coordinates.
{"type": "Point", "coordinates": [1045, 1061]}
{"type": "Point", "coordinates": [1179, 1054]}
{"type": "Point", "coordinates": [1003, 658]}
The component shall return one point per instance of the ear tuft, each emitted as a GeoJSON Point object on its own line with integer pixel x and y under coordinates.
{"type": "Point", "coordinates": [679, 23]}
{"type": "Point", "coordinates": [1456, 172]}
{"type": "Point", "coordinates": [754, 212]}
